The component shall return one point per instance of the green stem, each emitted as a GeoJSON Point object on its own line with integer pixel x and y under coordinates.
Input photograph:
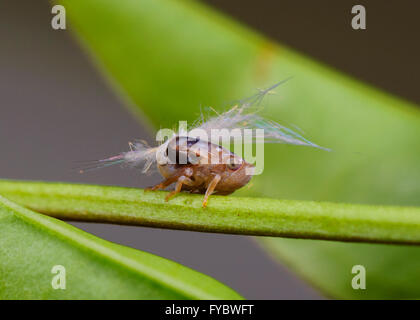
{"type": "Point", "coordinates": [234, 215]}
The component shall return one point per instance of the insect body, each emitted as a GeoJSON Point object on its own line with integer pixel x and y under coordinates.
{"type": "Point", "coordinates": [197, 164]}
{"type": "Point", "coordinates": [199, 174]}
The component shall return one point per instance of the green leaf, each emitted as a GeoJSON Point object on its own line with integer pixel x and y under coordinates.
{"type": "Point", "coordinates": [169, 57]}
{"type": "Point", "coordinates": [246, 216]}
{"type": "Point", "coordinates": [31, 244]}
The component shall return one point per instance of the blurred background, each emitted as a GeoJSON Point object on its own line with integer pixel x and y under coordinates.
{"type": "Point", "coordinates": [54, 101]}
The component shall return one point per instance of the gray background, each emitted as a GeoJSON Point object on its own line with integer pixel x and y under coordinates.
{"type": "Point", "coordinates": [56, 109]}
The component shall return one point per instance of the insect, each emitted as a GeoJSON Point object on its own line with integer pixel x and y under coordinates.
{"type": "Point", "coordinates": [199, 165]}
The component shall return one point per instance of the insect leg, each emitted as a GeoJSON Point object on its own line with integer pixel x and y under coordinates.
{"type": "Point", "coordinates": [163, 184]}
{"type": "Point", "coordinates": [181, 180]}
{"type": "Point", "coordinates": [210, 189]}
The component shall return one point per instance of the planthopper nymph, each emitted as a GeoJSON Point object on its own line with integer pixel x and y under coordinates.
{"type": "Point", "coordinates": [194, 161]}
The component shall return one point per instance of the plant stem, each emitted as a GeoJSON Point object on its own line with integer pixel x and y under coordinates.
{"type": "Point", "coordinates": [233, 215]}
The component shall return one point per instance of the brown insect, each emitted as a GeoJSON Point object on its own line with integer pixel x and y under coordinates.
{"type": "Point", "coordinates": [200, 173]}
{"type": "Point", "coordinates": [198, 165]}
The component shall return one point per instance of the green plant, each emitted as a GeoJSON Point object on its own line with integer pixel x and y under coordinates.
{"type": "Point", "coordinates": [209, 58]}
{"type": "Point", "coordinates": [250, 216]}
{"type": "Point", "coordinates": [99, 269]}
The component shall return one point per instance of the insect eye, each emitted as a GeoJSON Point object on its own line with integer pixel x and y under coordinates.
{"type": "Point", "coordinates": [191, 141]}
{"type": "Point", "coordinates": [234, 166]}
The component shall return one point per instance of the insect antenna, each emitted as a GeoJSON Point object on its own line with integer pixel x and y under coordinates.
{"type": "Point", "coordinates": [90, 165]}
